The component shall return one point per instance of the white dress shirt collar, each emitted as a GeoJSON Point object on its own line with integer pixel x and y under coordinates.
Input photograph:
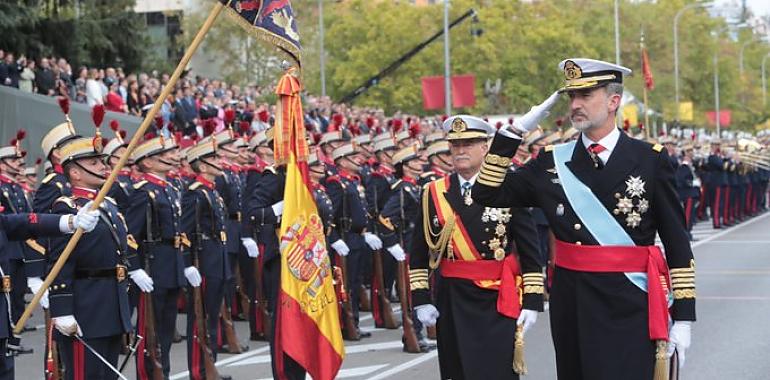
{"type": "Point", "coordinates": [608, 142]}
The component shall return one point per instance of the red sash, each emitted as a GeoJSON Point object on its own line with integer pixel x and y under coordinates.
{"type": "Point", "coordinates": [616, 258]}
{"type": "Point", "coordinates": [491, 270]}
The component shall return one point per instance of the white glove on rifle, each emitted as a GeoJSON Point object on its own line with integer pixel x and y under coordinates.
{"type": "Point", "coordinates": [427, 314]}
{"type": "Point", "coordinates": [34, 284]}
{"type": "Point", "coordinates": [142, 280]}
{"type": "Point", "coordinates": [527, 319]}
{"type": "Point", "coordinates": [679, 340]}
{"type": "Point", "coordinates": [341, 248]}
{"type": "Point", "coordinates": [372, 241]}
{"type": "Point", "coordinates": [278, 208]}
{"type": "Point", "coordinates": [193, 276]}
{"type": "Point", "coordinates": [530, 119]}
{"type": "Point", "coordinates": [251, 247]}
{"type": "Point", "coordinates": [397, 252]}
{"type": "Point", "coordinates": [67, 325]}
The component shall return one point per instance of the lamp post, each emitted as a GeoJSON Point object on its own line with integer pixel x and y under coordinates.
{"type": "Point", "coordinates": [764, 80]}
{"type": "Point", "coordinates": [676, 49]}
{"type": "Point", "coordinates": [322, 50]}
{"type": "Point", "coordinates": [447, 67]}
{"type": "Point", "coordinates": [617, 33]}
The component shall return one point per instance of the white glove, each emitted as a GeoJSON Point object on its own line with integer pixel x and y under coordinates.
{"type": "Point", "coordinates": [67, 325]}
{"type": "Point", "coordinates": [397, 252]}
{"type": "Point", "coordinates": [530, 119]}
{"type": "Point", "coordinates": [427, 314]}
{"type": "Point", "coordinates": [278, 208]}
{"type": "Point", "coordinates": [87, 218]}
{"type": "Point", "coordinates": [193, 276]}
{"type": "Point", "coordinates": [372, 241]}
{"type": "Point", "coordinates": [142, 280]}
{"type": "Point", "coordinates": [251, 247]}
{"type": "Point", "coordinates": [34, 284]}
{"type": "Point", "coordinates": [341, 248]}
{"type": "Point", "coordinates": [679, 339]}
{"type": "Point", "coordinates": [527, 319]}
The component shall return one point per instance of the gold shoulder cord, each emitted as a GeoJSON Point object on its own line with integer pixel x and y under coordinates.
{"type": "Point", "coordinates": [437, 242]}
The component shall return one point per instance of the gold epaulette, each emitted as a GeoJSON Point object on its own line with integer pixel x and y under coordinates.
{"type": "Point", "coordinates": [657, 147]}
{"type": "Point", "coordinates": [139, 184]}
{"type": "Point", "coordinates": [131, 242]}
{"type": "Point", "coordinates": [395, 184]}
{"type": "Point", "coordinates": [548, 148]}
{"type": "Point", "coordinates": [683, 282]}
{"type": "Point", "coordinates": [195, 185]}
{"type": "Point", "coordinates": [533, 283]}
{"type": "Point", "coordinates": [67, 201]}
{"type": "Point", "coordinates": [418, 279]}
{"type": "Point", "coordinates": [49, 177]}
{"type": "Point", "coordinates": [387, 223]}
{"type": "Point", "coordinates": [35, 246]}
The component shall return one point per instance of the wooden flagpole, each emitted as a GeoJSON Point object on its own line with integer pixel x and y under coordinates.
{"type": "Point", "coordinates": [215, 11]}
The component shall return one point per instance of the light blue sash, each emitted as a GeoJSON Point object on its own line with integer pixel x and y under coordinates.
{"type": "Point", "coordinates": [595, 217]}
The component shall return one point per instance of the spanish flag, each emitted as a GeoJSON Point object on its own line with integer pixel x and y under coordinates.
{"type": "Point", "coordinates": [308, 321]}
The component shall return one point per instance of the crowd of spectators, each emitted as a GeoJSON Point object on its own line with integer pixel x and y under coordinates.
{"type": "Point", "coordinates": [195, 100]}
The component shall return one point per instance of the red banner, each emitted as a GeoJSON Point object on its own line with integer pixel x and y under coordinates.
{"type": "Point", "coordinates": [725, 116]}
{"type": "Point", "coordinates": [463, 91]}
{"type": "Point", "coordinates": [649, 82]}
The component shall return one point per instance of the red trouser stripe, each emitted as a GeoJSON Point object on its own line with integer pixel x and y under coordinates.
{"type": "Point", "coordinates": [78, 361]}
{"type": "Point", "coordinates": [687, 212]}
{"type": "Point", "coordinates": [715, 207]}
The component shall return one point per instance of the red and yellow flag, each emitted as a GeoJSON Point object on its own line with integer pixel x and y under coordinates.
{"type": "Point", "coordinates": [649, 82]}
{"type": "Point", "coordinates": [308, 322]}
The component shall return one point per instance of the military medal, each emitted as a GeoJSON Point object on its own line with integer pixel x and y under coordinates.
{"type": "Point", "coordinates": [468, 199]}
{"type": "Point", "coordinates": [560, 210]}
{"type": "Point", "coordinates": [499, 254]}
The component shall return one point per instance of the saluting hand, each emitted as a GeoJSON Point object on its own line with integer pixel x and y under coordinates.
{"type": "Point", "coordinates": [530, 120]}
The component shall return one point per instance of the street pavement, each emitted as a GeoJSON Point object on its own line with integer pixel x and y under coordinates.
{"type": "Point", "coordinates": [731, 339]}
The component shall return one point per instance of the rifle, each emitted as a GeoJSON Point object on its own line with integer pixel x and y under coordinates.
{"type": "Point", "coordinates": [350, 330]}
{"type": "Point", "coordinates": [365, 303]}
{"type": "Point", "coordinates": [349, 325]}
{"type": "Point", "coordinates": [410, 337]}
{"type": "Point", "coordinates": [153, 368]}
{"type": "Point", "coordinates": [243, 298]}
{"type": "Point", "coordinates": [379, 293]}
{"type": "Point", "coordinates": [260, 303]}
{"type": "Point", "coordinates": [202, 336]}
{"type": "Point", "coordinates": [233, 346]}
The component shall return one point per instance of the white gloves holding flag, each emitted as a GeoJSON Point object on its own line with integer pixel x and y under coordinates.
{"type": "Point", "coordinates": [193, 276]}
{"type": "Point", "coordinates": [251, 247]}
{"type": "Point", "coordinates": [85, 219]}
{"type": "Point", "coordinates": [341, 248]}
{"type": "Point", "coordinates": [372, 241]}
{"type": "Point", "coordinates": [34, 284]}
{"type": "Point", "coordinates": [142, 280]}
{"type": "Point", "coordinates": [527, 319]}
{"type": "Point", "coordinates": [427, 314]}
{"type": "Point", "coordinates": [679, 340]}
{"type": "Point", "coordinates": [67, 325]}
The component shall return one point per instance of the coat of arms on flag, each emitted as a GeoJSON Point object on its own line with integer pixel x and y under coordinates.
{"type": "Point", "coordinates": [306, 255]}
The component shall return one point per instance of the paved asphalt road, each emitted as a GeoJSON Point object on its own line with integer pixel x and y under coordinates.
{"type": "Point", "coordinates": [731, 339]}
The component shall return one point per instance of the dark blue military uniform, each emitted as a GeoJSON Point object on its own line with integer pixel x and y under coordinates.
{"type": "Point", "coordinates": [379, 188]}
{"type": "Point", "coordinates": [228, 185]}
{"type": "Point", "coordinates": [204, 221]}
{"type": "Point", "coordinates": [121, 190]}
{"type": "Point", "coordinates": [636, 186]}
{"type": "Point", "coordinates": [15, 228]}
{"type": "Point", "coordinates": [92, 286]}
{"type": "Point", "coordinates": [716, 187]}
{"type": "Point", "coordinates": [352, 219]}
{"type": "Point", "coordinates": [688, 192]}
{"type": "Point", "coordinates": [156, 202]}
{"type": "Point", "coordinates": [14, 201]}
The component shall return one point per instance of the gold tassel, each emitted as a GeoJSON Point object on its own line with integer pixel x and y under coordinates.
{"type": "Point", "coordinates": [661, 361]}
{"type": "Point", "coordinates": [519, 366]}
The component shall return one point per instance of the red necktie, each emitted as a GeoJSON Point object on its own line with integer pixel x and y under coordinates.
{"type": "Point", "coordinates": [596, 148]}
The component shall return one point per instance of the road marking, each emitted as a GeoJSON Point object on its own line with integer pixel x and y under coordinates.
{"type": "Point", "coordinates": [742, 241]}
{"type": "Point", "coordinates": [403, 367]}
{"type": "Point", "coordinates": [349, 372]}
{"type": "Point", "coordinates": [734, 298]}
{"type": "Point", "coordinates": [731, 229]}
{"type": "Point", "coordinates": [222, 362]}
{"type": "Point", "coordinates": [352, 349]}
